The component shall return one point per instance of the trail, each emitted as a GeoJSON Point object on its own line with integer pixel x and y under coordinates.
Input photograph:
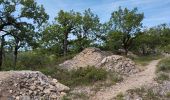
{"type": "Point", "coordinates": [142, 78]}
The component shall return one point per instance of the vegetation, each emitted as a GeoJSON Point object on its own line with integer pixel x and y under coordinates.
{"type": "Point", "coordinates": [119, 96]}
{"type": "Point", "coordinates": [164, 65]}
{"type": "Point", "coordinates": [82, 76]}
{"type": "Point", "coordinates": [144, 60]}
{"type": "Point", "coordinates": [162, 77]}
{"type": "Point", "coordinates": [26, 35]}
{"type": "Point", "coordinates": [146, 94]}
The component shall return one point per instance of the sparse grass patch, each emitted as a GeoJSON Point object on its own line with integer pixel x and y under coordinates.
{"type": "Point", "coordinates": [144, 60]}
{"type": "Point", "coordinates": [164, 65]}
{"type": "Point", "coordinates": [168, 94]}
{"type": "Point", "coordinates": [162, 77]}
{"type": "Point", "coordinates": [114, 77]}
{"type": "Point", "coordinates": [119, 96]}
{"type": "Point", "coordinates": [145, 94]}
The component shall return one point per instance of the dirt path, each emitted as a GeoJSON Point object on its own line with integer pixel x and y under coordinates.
{"type": "Point", "coordinates": [137, 80]}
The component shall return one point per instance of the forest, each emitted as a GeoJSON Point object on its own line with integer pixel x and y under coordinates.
{"type": "Point", "coordinates": [28, 40]}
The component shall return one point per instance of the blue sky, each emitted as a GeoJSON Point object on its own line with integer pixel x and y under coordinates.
{"type": "Point", "coordinates": [155, 11]}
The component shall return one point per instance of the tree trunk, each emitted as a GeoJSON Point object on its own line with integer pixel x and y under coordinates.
{"type": "Point", "coordinates": [126, 51]}
{"type": "Point", "coordinates": [65, 44]}
{"type": "Point", "coordinates": [1, 51]}
{"type": "Point", "coordinates": [15, 55]}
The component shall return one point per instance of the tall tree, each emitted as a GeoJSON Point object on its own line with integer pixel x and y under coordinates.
{"type": "Point", "coordinates": [87, 29]}
{"type": "Point", "coordinates": [14, 13]}
{"type": "Point", "coordinates": [67, 23]}
{"type": "Point", "coordinates": [128, 22]}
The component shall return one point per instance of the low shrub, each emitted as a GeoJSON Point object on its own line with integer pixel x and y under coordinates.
{"type": "Point", "coordinates": [86, 76]}
{"type": "Point", "coordinates": [162, 77]}
{"type": "Point", "coordinates": [164, 65]}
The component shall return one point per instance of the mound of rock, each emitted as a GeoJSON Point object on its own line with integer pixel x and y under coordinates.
{"type": "Point", "coordinates": [100, 59]}
{"type": "Point", "coordinates": [88, 57]}
{"type": "Point", "coordinates": [30, 85]}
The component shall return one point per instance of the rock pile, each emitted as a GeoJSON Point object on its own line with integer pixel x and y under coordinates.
{"type": "Point", "coordinates": [88, 57]}
{"type": "Point", "coordinates": [100, 59]}
{"type": "Point", "coordinates": [119, 64]}
{"type": "Point", "coordinates": [30, 85]}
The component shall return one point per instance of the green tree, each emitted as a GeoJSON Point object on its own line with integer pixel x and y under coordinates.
{"type": "Point", "coordinates": [13, 16]}
{"type": "Point", "coordinates": [87, 29]}
{"type": "Point", "coordinates": [67, 22]}
{"type": "Point", "coordinates": [52, 40]}
{"type": "Point", "coordinates": [128, 22]}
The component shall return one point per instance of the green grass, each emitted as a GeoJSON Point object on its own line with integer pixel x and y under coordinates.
{"type": "Point", "coordinates": [164, 65]}
{"type": "Point", "coordinates": [144, 60]}
{"type": "Point", "coordinates": [83, 76]}
{"type": "Point", "coordinates": [162, 77]}
{"type": "Point", "coordinates": [145, 94]}
{"type": "Point", "coordinates": [119, 96]}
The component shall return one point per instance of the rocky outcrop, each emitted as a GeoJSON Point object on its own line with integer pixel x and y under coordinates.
{"type": "Point", "coordinates": [30, 85]}
{"type": "Point", "coordinates": [101, 59]}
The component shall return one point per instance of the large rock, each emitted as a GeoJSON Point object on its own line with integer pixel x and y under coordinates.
{"type": "Point", "coordinates": [30, 85]}
{"type": "Point", "coordinates": [101, 59]}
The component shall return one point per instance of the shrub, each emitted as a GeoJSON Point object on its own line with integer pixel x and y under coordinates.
{"type": "Point", "coordinates": [164, 65]}
{"type": "Point", "coordinates": [86, 76]}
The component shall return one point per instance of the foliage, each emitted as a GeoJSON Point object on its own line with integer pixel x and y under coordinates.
{"type": "Point", "coordinates": [13, 14]}
{"type": "Point", "coordinates": [85, 76]}
{"type": "Point", "coordinates": [128, 22]}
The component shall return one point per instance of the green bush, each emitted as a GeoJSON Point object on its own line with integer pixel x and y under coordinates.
{"type": "Point", "coordinates": [86, 76]}
{"type": "Point", "coordinates": [164, 65]}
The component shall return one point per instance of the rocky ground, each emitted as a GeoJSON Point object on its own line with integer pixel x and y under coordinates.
{"type": "Point", "coordinates": [101, 59]}
{"type": "Point", "coordinates": [29, 85]}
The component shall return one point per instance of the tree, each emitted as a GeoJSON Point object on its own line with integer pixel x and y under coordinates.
{"type": "Point", "coordinates": [52, 39]}
{"type": "Point", "coordinates": [87, 29]}
{"type": "Point", "coordinates": [128, 22]}
{"type": "Point", "coordinates": [67, 22]}
{"type": "Point", "coordinates": [14, 14]}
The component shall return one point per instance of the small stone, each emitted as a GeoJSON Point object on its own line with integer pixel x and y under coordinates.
{"type": "Point", "coordinates": [47, 91]}
{"type": "Point", "coordinates": [17, 98]}
{"type": "Point", "coordinates": [54, 96]}
{"type": "Point", "coordinates": [10, 91]}
{"type": "Point", "coordinates": [40, 88]}
{"type": "Point", "coordinates": [32, 87]}
{"type": "Point", "coordinates": [63, 93]}
{"type": "Point", "coordinates": [30, 92]}
{"type": "Point", "coordinates": [54, 80]}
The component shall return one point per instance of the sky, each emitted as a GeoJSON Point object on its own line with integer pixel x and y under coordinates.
{"type": "Point", "coordinates": [155, 11]}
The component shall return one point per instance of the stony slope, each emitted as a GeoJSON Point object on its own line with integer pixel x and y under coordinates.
{"type": "Point", "coordinates": [101, 59]}
{"type": "Point", "coordinates": [137, 80]}
{"type": "Point", "coordinates": [20, 85]}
